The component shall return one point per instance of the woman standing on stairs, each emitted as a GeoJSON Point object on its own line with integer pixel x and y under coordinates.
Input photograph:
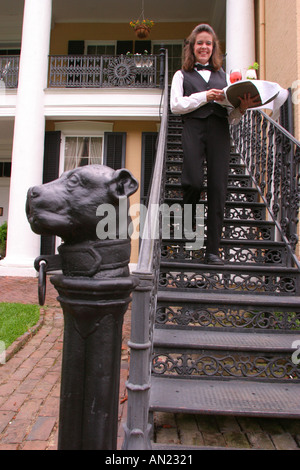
{"type": "Point", "coordinates": [197, 94]}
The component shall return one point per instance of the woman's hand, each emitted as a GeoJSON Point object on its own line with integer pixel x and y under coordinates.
{"type": "Point", "coordinates": [215, 95]}
{"type": "Point", "coordinates": [248, 102]}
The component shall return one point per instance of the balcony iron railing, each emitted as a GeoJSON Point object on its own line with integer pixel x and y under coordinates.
{"type": "Point", "coordinates": [9, 71]}
{"type": "Point", "coordinates": [93, 71]}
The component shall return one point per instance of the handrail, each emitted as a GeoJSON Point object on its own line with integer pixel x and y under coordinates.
{"type": "Point", "coordinates": [281, 129]}
{"type": "Point", "coordinates": [144, 298]}
{"type": "Point", "coordinates": [272, 158]}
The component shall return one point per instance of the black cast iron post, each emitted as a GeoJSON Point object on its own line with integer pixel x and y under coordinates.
{"type": "Point", "coordinates": [93, 315]}
{"type": "Point", "coordinates": [94, 292]}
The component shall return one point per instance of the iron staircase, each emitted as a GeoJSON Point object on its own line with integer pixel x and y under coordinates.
{"type": "Point", "coordinates": [224, 336]}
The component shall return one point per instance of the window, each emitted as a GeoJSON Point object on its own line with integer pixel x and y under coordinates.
{"type": "Point", "coordinates": [10, 48]}
{"type": "Point", "coordinates": [100, 49]}
{"type": "Point", "coordinates": [5, 169]}
{"type": "Point", "coordinates": [81, 143]}
{"type": "Point", "coordinates": [116, 48]}
{"type": "Point", "coordinates": [80, 151]}
{"type": "Point", "coordinates": [10, 52]}
{"type": "Point", "coordinates": [174, 55]}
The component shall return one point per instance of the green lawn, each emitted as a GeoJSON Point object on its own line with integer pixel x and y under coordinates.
{"type": "Point", "coordinates": [15, 320]}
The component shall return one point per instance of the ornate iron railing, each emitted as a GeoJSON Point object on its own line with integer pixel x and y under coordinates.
{"type": "Point", "coordinates": [9, 71]}
{"type": "Point", "coordinates": [144, 300]}
{"type": "Point", "coordinates": [272, 156]}
{"type": "Point", "coordinates": [93, 71]}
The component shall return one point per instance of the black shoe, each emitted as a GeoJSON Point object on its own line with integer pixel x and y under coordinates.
{"type": "Point", "coordinates": [213, 259]}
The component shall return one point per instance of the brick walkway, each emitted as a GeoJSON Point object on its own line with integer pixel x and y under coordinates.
{"type": "Point", "coordinates": [30, 379]}
{"type": "Point", "coordinates": [30, 387]}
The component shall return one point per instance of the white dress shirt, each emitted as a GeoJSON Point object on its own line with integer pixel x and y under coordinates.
{"type": "Point", "coordinates": [185, 104]}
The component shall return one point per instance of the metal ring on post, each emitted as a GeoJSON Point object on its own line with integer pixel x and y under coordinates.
{"type": "Point", "coordinates": [42, 282]}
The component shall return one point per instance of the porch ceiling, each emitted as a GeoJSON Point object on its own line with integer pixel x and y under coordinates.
{"type": "Point", "coordinates": [120, 10]}
{"type": "Point", "coordinates": [212, 11]}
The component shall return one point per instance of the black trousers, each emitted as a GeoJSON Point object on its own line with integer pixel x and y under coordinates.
{"type": "Point", "coordinates": [207, 139]}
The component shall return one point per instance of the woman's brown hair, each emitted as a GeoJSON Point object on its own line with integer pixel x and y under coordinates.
{"type": "Point", "coordinates": [216, 59]}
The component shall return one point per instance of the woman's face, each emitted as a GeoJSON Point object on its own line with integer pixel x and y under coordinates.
{"type": "Point", "coordinates": [203, 47]}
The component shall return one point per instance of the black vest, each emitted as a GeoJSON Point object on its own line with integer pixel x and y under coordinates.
{"type": "Point", "coordinates": [194, 83]}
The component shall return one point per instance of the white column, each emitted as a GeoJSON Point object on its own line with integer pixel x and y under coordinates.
{"type": "Point", "coordinates": [23, 246]}
{"type": "Point", "coordinates": [240, 35]}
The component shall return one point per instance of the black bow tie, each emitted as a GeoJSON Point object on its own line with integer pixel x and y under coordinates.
{"type": "Point", "coordinates": [204, 67]}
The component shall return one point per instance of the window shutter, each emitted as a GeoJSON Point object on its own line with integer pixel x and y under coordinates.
{"type": "Point", "coordinates": [50, 173]}
{"type": "Point", "coordinates": [149, 143]}
{"type": "Point", "coordinates": [51, 156]}
{"type": "Point", "coordinates": [75, 47]}
{"type": "Point", "coordinates": [114, 149]}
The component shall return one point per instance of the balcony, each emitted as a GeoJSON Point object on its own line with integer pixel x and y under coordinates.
{"type": "Point", "coordinates": [9, 71]}
{"type": "Point", "coordinates": [92, 71]}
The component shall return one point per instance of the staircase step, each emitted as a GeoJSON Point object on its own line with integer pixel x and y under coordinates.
{"type": "Point", "coordinates": [249, 229]}
{"type": "Point", "coordinates": [251, 300]}
{"type": "Point", "coordinates": [265, 270]}
{"type": "Point", "coordinates": [174, 168]}
{"type": "Point", "coordinates": [177, 171]}
{"type": "Point", "coordinates": [253, 244]}
{"type": "Point", "coordinates": [230, 204]}
{"type": "Point", "coordinates": [234, 210]}
{"type": "Point", "coordinates": [176, 185]}
{"type": "Point", "coordinates": [234, 193]}
{"type": "Point", "coordinates": [200, 339]}
{"type": "Point", "coordinates": [218, 310]}
{"type": "Point", "coordinates": [225, 397]}
{"type": "Point", "coordinates": [176, 156]}
{"type": "Point", "coordinates": [258, 252]}
{"type": "Point", "coordinates": [230, 278]}
{"type": "Point", "coordinates": [198, 353]}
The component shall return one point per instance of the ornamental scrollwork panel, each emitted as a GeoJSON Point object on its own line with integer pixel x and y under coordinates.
{"type": "Point", "coordinates": [254, 282]}
{"type": "Point", "coordinates": [223, 317]}
{"type": "Point", "coordinates": [227, 365]}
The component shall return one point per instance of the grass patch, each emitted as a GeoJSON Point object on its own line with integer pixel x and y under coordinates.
{"type": "Point", "coordinates": [15, 320]}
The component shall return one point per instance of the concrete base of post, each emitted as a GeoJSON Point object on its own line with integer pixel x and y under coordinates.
{"type": "Point", "coordinates": [93, 315]}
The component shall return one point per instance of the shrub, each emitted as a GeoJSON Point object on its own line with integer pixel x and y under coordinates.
{"type": "Point", "coordinates": [3, 236]}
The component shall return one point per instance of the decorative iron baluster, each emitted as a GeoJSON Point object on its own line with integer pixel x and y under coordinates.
{"type": "Point", "coordinates": [295, 198]}
{"type": "Point", "coordinates": [270, 163]}
{"type": "Point", "coordinates": [264, 154]}
{"type": "Point", "coordinates": [258, 146]}
{"type": "Point", "coordinates": [277, 175]}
